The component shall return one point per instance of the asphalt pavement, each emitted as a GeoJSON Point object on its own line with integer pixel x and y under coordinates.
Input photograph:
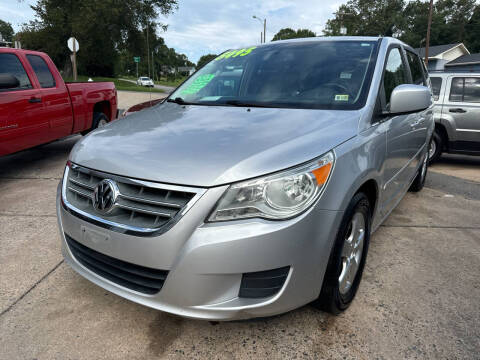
{"type": "Point", "coordinates": [419, 297]}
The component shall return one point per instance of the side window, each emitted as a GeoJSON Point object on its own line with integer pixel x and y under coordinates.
{"type": "Point", "coordinates": [10, 64]}
{"type": "Point", "coordinates": [394, 73]}
{"type": "Point", "coordinates": [456, 90]}
{"type": "Point", "coordinates": [436, 86]}
{"type": "Point", "coordinates": [471, 90]}
{"type": "Point", "coordinates": [44, 76]}
{"type": "Point", "coordinates": [415, 68]}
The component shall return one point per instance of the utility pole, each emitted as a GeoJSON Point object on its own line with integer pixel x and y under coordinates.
{"type": "Point", "coordinates": [427, 43]}
{"type": "Point", "coordinates": [148, 52]}
{"type": "Point", "coordinates": [264, 28]}
{"type": "Point", "coordinates": [261, 37]}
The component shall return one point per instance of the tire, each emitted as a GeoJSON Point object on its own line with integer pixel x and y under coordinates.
{"type": "Point", "coordinates": [339, 284]}
{"type": "Point", "coordinates": [99, 120]}
{"type": "Point", "coordinates": [435, 148]}
{"type": "Point", "coordinates": [419, 181]}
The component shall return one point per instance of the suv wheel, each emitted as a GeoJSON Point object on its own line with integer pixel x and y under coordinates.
{"type": "Point", "coordinates": [347, 260]}
{"type": "Point", "coordinates": [435, 148]}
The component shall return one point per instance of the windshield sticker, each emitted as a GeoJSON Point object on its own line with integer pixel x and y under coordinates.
{"type": "Point", "coordinates": [235, 53]}
{"type": "Point", "coordinates": [198, 84]}
{"type": "Point", "coordinates": [341, 97]}
{"type": "Point", "coordinates": [345, 75]}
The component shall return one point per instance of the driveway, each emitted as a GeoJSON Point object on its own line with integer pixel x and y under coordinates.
{"type": "Point", "coordinates": [419, 297]}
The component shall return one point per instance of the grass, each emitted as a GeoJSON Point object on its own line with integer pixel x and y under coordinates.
{"type": "Point", "coordinates": [119, 84]}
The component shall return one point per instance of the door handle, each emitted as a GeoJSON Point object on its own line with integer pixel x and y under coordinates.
{"type": "Point", "coordinates": [34, 100]}
{"type": "Point", "coordinates": [457, 110]}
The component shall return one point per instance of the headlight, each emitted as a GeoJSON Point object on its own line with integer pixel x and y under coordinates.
{"type": "Point", "coordinates": [279, 196]}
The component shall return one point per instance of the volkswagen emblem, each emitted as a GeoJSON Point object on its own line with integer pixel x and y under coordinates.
{"type": "Point", "coordinates": [105, 196]}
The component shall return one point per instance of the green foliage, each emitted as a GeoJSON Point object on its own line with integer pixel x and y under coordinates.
{"type": "Point", "coordinates": [288, 33]}
{"type": "Point", "coordinates": [452, 21]}
{"type": "Point", "coordinates": [205, 59]}
{"type": "Point", "coordinates": [105, 29]}
{"type": "Point", "coordinates": [6, 31]}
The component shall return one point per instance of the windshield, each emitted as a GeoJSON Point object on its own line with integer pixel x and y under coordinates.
{"type": "Point", "coordinates": [314, 74]}
{"type": "Point", "coordinates": [144, 78]}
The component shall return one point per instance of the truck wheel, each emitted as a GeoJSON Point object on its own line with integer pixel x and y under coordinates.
{"type": "Point", "coordinates": [99, 120]}
{"type": "Point", "coordinates": [347, 260]}
{"type": "Point", "coordinates": [435, 148]}
{"type": "Point", "coordinates": [419, 181]}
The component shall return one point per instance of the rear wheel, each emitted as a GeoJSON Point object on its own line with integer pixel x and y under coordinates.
{"type": "Point", "coordinates": [435, 148]}
{"type": "Point", "coordinates": [347, 260]}
{"type": "Point", "coordinates": [99, 120]}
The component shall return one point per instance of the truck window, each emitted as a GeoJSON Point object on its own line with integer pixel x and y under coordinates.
{"type": "Point", "coordinates": [465, 89]}
{"type": "Point", "coordinates": [471, 90]}
{"type": "Point", "coordinates": [436, 86]}
{"type": "Point", "coordinates": [44, 76]}
{"type": "Point", "coordinates": [10, 64]}
{"type": "Point", "coordinates": [415, 69]}
{"type": "Point", "coordinates": [394, 73]}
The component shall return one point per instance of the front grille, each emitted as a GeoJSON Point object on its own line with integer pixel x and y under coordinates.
{"type": "Point", "coordinates": [134, 277]}
{"type": "Point", "coordinates": [139, 205]}
{"type": "Point", "coordinates": [263, 284]}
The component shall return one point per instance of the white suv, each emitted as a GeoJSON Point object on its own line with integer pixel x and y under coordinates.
{"type": "Point", "coordinates": [145, 81]}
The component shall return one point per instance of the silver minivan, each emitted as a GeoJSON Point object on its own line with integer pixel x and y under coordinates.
{"type": "Point", "coordinates": [456, 113]}
{"type": "Point", "coordinates": [254, 188]}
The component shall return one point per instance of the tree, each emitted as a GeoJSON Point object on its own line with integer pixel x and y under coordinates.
{"type": "Point", "coordinates": [288, 33]}
{"type": "Point", "coordinates": [104, 30]}
{"type": "Point", "coordinates": [472, 31]}
{"type": "Point", "coordinates": [205, 59]}
{"type": "Point", "coordinates": [6, 31]}
{"type": "Point", "coordinates": [453, 21]}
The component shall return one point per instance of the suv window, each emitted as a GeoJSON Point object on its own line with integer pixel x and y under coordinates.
{"type": "Point", "coordinates": [44, 76]}
{"type": "Point", "coordinates": [465, 89]}
{"type": "Point", "coordinates": [10, 64]}
{"type": "Point", "coordinates": [415, 68]}
{"type": "Point", "coordinates": [394, 73]}
{"type": "Point", "coordinates": [436, 86]}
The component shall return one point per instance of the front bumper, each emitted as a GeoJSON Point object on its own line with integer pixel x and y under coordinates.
{"type": "Point", "coordinates": [206, 260]}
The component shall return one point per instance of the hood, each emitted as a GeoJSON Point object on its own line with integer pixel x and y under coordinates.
{"type": "Point", "coordinates": [212, 145]}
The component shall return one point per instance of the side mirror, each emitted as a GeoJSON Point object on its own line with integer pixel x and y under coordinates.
{"type": "Point", "coordinates": [406, 98]}
{"type": "Point", "coordinates": [8, 81]}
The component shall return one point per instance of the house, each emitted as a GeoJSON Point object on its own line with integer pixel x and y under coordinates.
{"type": "Point", "coordinates": [439, 55]}
{"type": "Point", "coordinates": [467, 63]}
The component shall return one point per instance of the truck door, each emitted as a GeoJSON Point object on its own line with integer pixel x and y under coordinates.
{"type": "Point", "coordinates": [56, 108]}
{"type": "Point", "coordinates": [19, 128]}
{"type": "Point", "coordinates": [462, 105]}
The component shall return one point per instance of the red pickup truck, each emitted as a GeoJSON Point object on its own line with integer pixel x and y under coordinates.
{"type": "Point", "coordinates": [37, 106]}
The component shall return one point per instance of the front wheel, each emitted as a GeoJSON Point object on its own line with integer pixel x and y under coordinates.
{"type": "Point", "coordinates": [347, 260]}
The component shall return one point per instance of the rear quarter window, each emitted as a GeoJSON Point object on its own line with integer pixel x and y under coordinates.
{"type": "Point", "coordinates": [40, 67]}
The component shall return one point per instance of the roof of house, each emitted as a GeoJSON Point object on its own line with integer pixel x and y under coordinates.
{"type": "Point", "coordinates": [465, 60]}
{"type": "Point", "coordinates": [436, 50]}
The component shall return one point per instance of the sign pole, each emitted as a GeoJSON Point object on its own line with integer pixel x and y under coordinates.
{"type": "Point", "coordinates": [136, 63]}
{"type": "Point", "coordinates": [74, 61]}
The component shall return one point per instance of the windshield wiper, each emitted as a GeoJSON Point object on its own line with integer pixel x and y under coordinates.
{"type": "Point", "coordinates": [245, 103]}
{"type": "Point", "coordinates": [180, 101]}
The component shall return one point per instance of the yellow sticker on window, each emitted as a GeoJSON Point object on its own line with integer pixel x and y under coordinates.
{"type": "Point", "coordinates": [235, 53]}
{"type": "Point", "coordinates": [341, 97]}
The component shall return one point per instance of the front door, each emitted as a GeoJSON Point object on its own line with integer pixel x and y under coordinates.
{"type": "Point", "coordinates": [400, 148]}
{"type": "Point", "coordinates": [19, 128]}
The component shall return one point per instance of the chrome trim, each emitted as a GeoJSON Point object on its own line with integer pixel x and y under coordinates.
{"type": "Point", "coordinates": [148, 201]}
{"type": "Point", "coordinates": [79, 183]}
{"type": "Point", "coordinates": [129, 229]}
{"type": "Point", "coordinates": [81, 193]}
{"type": "Point", "coordinates": [133, 208]}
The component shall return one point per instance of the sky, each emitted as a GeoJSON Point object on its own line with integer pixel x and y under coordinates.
{"type": "Point", "coordinates": [212, 26]}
